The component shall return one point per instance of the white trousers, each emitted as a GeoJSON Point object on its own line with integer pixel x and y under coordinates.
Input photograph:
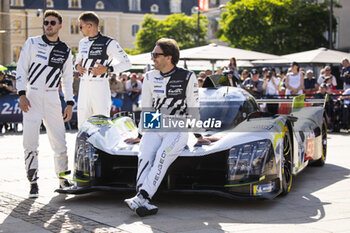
{"type": "Point", "coordinates": [46, 107]}
{"type": "Point", "coordinates": [157, 152]}
{"type": "Point", "coordinates": [94, 99]}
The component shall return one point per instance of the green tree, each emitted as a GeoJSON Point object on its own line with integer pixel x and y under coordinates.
{"type": "Point", "coordinates": [276, 26]}
{"type": "Point", "coordinates": [179, 27]}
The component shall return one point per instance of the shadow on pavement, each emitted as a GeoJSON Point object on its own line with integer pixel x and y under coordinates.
{"type": "Point", "coordinates": [106, 210]}
{"type": "Point", "coordinates": [49, 217]}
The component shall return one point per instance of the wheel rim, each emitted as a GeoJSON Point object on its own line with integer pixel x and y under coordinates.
{"type": "Point", "coordinates": [287, 163]}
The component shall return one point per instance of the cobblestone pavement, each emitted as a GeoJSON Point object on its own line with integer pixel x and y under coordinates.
{"type": "Point", "coordinates": [48, 217]}
{"type": "Point", "coordinates": [319, 201]}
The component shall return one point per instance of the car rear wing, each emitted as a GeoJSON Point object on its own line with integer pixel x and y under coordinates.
{"type": "Point", "coordinates": [297, 102]}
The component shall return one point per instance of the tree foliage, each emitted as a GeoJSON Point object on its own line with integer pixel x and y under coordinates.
{"type": "Point", "coordinates": [276, 26]}
{"type": "Point", "coordinates": [179, 27]}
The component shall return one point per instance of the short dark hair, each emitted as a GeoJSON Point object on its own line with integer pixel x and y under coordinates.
{"type": "Point", "coordinates": [170, 48]}
{"type": "Point", "coordinates": [53, 13]}
{"type": "Point", "coordinates": [89, 16]}
{"type": "Point", "coordinates": [294, 63]}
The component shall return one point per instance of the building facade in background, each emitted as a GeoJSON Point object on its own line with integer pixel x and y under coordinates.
{"type": "Point", "coordinates": [120, 19]}
{"type": "Point", "coordinates": [342, 36]}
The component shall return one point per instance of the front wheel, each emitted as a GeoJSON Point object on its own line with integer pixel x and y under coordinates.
{"type": "Point", "coordinates": [286, 163]}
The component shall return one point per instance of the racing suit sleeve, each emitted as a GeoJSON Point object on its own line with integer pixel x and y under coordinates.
{"type": "Point", "coordinates": [23, 66]}
{"type": "Point", "coordinates": [67, 79]}
{"type": "Point", "coordinates": [192, 99]}
{"type": "Point", "coordinates": [192, 96]}
{"type": "Point", "coordinates": [121, 60]}
{"type": "Point", "coordinates": [146, 99]}
{"type": "Point", "coordinates": [77, 58]}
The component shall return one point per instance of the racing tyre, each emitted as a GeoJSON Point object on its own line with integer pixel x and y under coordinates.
{"type": "Point", "coordinates": [287, 176]}
{"type": "Point", "coordinates": [321, 161]}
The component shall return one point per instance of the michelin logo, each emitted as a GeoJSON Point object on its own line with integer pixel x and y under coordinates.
{"type": "Point", "coordinates": [151, 120]}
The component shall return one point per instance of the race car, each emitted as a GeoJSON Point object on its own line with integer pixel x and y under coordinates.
{"type": "Point", "coordinates": [256, 156]}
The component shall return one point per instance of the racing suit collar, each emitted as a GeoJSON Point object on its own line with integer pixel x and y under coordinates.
{"type": "Point", "coordinates": [95, 37]}
{"type": "Point", "coordinates": [47, 41]}
{"type": "Point", "coordinates": [169, 73]}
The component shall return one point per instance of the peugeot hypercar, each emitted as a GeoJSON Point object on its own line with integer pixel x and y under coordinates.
{"type": "Point", "coordinates": [256, 156]}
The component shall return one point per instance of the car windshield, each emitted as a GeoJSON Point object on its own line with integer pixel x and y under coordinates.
{"type": "Point", "coordinates": [228, 112]}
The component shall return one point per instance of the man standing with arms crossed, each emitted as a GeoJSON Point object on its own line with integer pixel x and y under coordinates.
{"type": "Point", "coordinates": [98, 56]}
{"type": "Point", "coordinates": [44, 63]}
{"type": "Point", "coordinates": [174, 91]}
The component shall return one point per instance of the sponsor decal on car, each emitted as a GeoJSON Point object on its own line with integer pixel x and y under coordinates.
{"type": "Point", "coordinates": [263, 188]}
{"type": "Point", "coordinates": [310, 148]}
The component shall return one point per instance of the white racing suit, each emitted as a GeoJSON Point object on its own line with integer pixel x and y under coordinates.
{"type": "Point", "coordinates": [42, 66]}
{"type": "Point", "coordinates": [94, 92]}
{"type": "Point", "coordinates": [175, 92]}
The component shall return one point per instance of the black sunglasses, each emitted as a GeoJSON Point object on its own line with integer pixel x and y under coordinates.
{"type": "Point", "coordinates": [155, 55]}
{"type": "Point", "coordinates": [81, 26]}
{"type": "Point", "coordinates": [53, 22]}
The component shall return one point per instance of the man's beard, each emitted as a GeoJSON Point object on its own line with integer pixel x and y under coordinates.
{"type": "Point", "coordinates": [52, 33]}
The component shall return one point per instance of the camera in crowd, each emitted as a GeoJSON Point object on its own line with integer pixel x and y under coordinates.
{"type": "Point", "coordinates": [249, 86]}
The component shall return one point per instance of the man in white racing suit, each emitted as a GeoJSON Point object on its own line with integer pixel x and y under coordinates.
{"type": "Point", "coordinates": [167, 89]}
{"type": "Point", "coordinates": [98, 56]}
{"type": "Point", "coordinates": [45, 62]}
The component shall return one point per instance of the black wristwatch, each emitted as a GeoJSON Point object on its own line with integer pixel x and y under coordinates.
{"type": "Point", "coordinates": [110, 69]}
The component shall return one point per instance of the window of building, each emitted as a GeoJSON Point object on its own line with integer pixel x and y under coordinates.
{"type": "Point", "coordinates": [16, 26]}
{"type": "Point", "coordinates": [49, 4]}
{"type": "Point", "coordinates": [175, 6]}
{"type": "Point", "coordinates": [134, 5]}
{"type": "Point", "coordinates": [101, 26]}
{"type": "Point", "coordinates": [74, 3]}
{"type": "Point", "coordinates": [74, 27]}
{"type": "Point", "coordinates": [154, 8]}
{"type": "Point", "coordinates": [100, 5]}
{"type": "Point", "coordinates": [15, 53]}
{"type": "Point", "coordinates": [16, 3]}
{"type": "Point", "coordinates": [134, 29]}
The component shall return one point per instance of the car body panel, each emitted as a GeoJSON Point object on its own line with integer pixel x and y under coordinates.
{"type": "Point", "coordinates": [247, 161]}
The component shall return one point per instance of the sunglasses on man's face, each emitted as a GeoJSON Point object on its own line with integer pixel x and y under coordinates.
{"type": "Point", "coordinates": [155, 55]}
{"type": "Point", "coordinates": [53, 22]}
{"type": "Point", "coordinates": [81, 26]}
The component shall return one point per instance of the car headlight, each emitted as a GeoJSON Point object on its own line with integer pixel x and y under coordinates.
{"type": "Point", "coordinates": [246, 161]}
{"type": "Point", "coordinates": [85, 157]}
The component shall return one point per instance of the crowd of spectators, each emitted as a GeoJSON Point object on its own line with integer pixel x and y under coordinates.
{"type": "Point", "coordinates": [261, 83]}
{"type": "Point", "coordinates": [267, 83]}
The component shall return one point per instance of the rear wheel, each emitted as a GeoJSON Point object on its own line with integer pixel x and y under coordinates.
{"type": "Point", "coordinates": [286, 163]}
{"type": "Point", "coordinates": [321, 161]}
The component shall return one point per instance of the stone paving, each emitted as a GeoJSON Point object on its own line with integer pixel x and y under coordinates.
{"type": "Point", "coordinates": [319, 201]}
{"type": "Point", "coordinates": [48, 217]}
